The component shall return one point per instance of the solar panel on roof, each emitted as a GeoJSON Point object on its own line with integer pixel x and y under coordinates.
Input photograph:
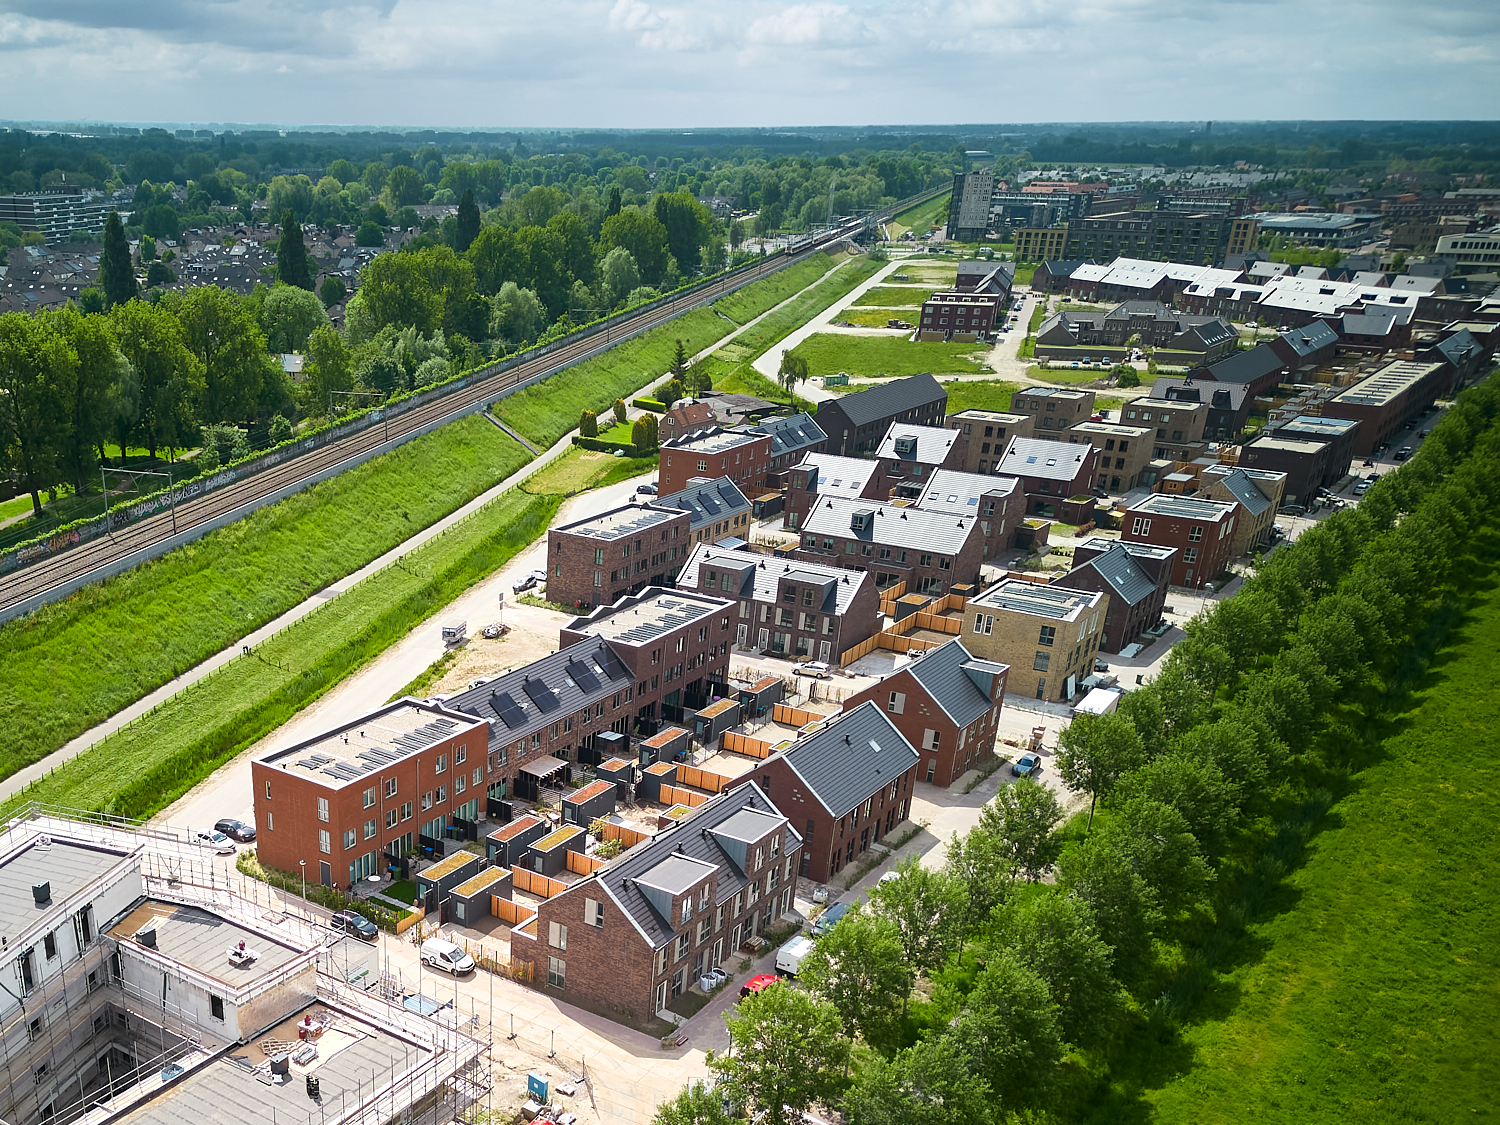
{"type": "Point", "coordinates": [611, 664]}
{"type": "Point", "coordinates": [585, 679]}
{"type": "Point", "coordinates": [510, 714]}
{"type": "Point", "coordinates": [541, 695]}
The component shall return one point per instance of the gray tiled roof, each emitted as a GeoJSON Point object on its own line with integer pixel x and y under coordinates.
{"type": "Point", "coordinates": [855, 755]}
{"type": "Point", "coordinates": [707, 501]}
{"type": "Point", "coordinates": [1310, 338]}
{"type": "Point", "coordinates": [1052, 460]}
{"type": "Point", "coordinates": [941, 672]}
{"type": "Point", "coordinates": [759, 576]}
{"type": "Point", "coordinates": [793, 434]}
{"type": "Point", "coordinates": [841, 476]}
{"type": "Point", "coordinates": [900, 527]}
{"type": "Point", "coordinates": [929, 445]}
{"type": "Point", "coordinates": [1122, 575]}
{"type": "Point", "coordinates": [959, 493]}
{"type": "Point", "coordinates": [1243, 489]}
{"type": "Point", "coordinates": [1246, 367]}
{"type": "Point", "coordinates": [891, 398]}
{"type": "Point", "coordinates": [693, 838]}
{"type": "Point", "coordinates": [516, 694]}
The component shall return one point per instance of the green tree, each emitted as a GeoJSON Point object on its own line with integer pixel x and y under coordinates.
{"type": "Point", "coordinates": [1194, 786]}
{"type": "Point", "coordinates": [1094, 752]}
{"type": "Point", "coordinates": [931, 1083]}
{"type": "Point", "coordinates": [38, 370]}
{"type": "Point", "coordinates": [1010, 1026]}
{"type": "Point", "coordinates": [169, 376]}
{"type": "Point", "coordinates": [116, 273]}
{"type": "Point", "coordinates": [614, 203]}
{"type": "Point", "coordinates": [619, 409]}
{"type": "Point", "coordinates": [641, 234]}
{"type": "Point", "coordinates": [289, 193]}
{"type": "Point", "coordinates": [859, 966]}
{"type": "Point", "coordinates": [927, 909]}
{"type": "Point", "coordinates": [221, 445]}
{"type": "Point", "coordinates": [516, 314]}
{"type": "Point", "coordinates": [86, 406]}
{"type": "Point", "coordinates": [328, 368]}
{"type": "Point", "coordinates": [148, 248]}
{"type": "Point", "coordinates": [1155, 840]}
{"type": "Point", "coordinates": [220, 330]}
{"type": "Point", "coordinates": [588, 424]}
{"type": "Point", "coordinates": [288, 316]}
{"type": "Point", "coordinates": [332, 291]}
{"type": "Point", "coordinates": [793, 370]}
{"type": "Point", "coordinates": [1024, 817]}
{"type": "Point", "coordinates": [788, 1053]}
{"type": "Point", "coordinates": [159, 274]}
{"type": "Point", "coordinates": [679, 363]}
{"type": "Point", "coordinates": [575, 250]}
{"type": "Point", "coordinates": [496, 259]}
{"type": "Point", "coordinates": [618, 276]}
{"type": "Point", "coordinates": [396, 292]}
{"type": "Point", "coordinates": [695, 1104]}
{"type": "Point", "coordinates": [370, 233]}
{"type": "Point", "coordinates": [1100, 875]}
{"type": "Point", "coordinates": [291, 254]}
{"type": "Point", "coordinates": [688, 225]}
{"type": "Point", "coordinates": [1057, 936]}
{"type": "Point", "coordinates": [468, 223]}
{"type": "Point", "coordinates": [403, 187]}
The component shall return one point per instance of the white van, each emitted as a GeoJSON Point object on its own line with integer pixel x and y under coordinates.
{"type": "Point", "coordinates": [441, 954]}
{"type": "Point", "coordinates": [790, 956]}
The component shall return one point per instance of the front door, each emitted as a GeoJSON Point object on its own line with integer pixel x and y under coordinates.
{"type": "Point", "coordinates": [741, 635]}
{"type": "Point", "coordinates": [765, 639]}
{"type": "Point", "coordinates": [325, 873]}
{"type": "Point", "coordinates": [825, 650]}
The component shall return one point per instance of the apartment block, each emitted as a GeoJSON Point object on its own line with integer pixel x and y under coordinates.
{"type": "Point", "coordinates": [823, 474]}
{"type": "Point", "coordinates": [1052, 408]}
{"type": "Point", "coordinates": [1201, 530]}
{"type": "Point", "coordinates": [909, 455]}
{"type": "Point", "coordinates": [1047, 635]}
{"type": "Point", "coordinates": [601, 559]}
{"type": "Point", "coordinates": [930, 551]}
{"type": "Point", "coordinates": [1124, 453]}
{"type": "Point", "coordinates": [1134, 575]}
{"type": "Point", "coordinates": [742, 456]}
{"type": "Point", "coordinates": [986, 433]}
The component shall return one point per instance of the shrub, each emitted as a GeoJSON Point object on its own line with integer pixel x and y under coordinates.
{"type": "Point", "coordinates": [588, 424]}
{"type": "Point", "coordinates": [620, 411]}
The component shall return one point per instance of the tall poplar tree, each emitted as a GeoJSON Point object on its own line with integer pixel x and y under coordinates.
{"type": "Point", "coordinates": [116, 271]}
{"type": "Point", "coordinates": [291, 254]}
{"type": "Point", "coordinates": [468, 222]}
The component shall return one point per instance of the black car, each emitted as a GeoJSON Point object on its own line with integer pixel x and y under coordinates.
{"type": "Point", "coordinates": [236, 830]}
{"type": "Point", "coordinates": [352, 922]}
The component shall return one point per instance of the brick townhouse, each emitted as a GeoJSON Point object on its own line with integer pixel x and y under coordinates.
{"type": "Point", "coordinates": [946, 703]}
{"type": "Point", "coordinates": [801, 609]}
{"type": "Point", "coordinates": [961, 317]}
{"type": "Point", "coordinates": [716, 509]}
{"type": "Point", "coordinates": [824, 474]}
{"type": "Point", "coordinates": [1134, 575]}
{"type": "Point", "coordinates": [998, 502]}
{"type": "Point", "coordinates": [1124, 453]}
{"type": "Point", "coordinates": [1052, 408]}
{"type": "Point", "coordinates": [618, 552]}
{"type": "Point", "coordinates": [930, 551]}
{"type": "Point", "coordinates": [857, 422]}
{"type": "Point", "coordinates": [1255, 492]}
{"type": "Point", "coordinates": [909, 455]}
{"type": "Point", "coordinates": [1051, 633]}
{"type": "Point", "coordinates": [743, 456]}
{"type": "Point", "coordinates": [1226, 405]}
{"type": "Point", "coordinates": [346, 803]}
{"type": "Point", "coordinates": [641, 931]}
{"type": "Point", "coordinates": [843, 787]}
{"type": "Point", "coordinates": [792, 439]}
{"type": "Point", "coordinates": [986, 433]}
{"type": "Point", "coordinates": [1201, 530]}
{"type": "Point", "coordinates": [1050, 472]}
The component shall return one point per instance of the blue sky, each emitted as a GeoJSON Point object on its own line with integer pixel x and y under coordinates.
{"type": "Point", "coordinates": [648, 63]}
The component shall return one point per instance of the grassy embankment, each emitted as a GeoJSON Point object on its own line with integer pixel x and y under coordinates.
{"type": "Point", "coordinates": [74, 663]}
{"type": "Point", "coordinates": [1371, 993]}
{"type": "Point", "coordinates": [895, 296]}
{"type": "Point", "coordinates": [922, 217]}
{"type": "Point", "coordinates": [151, 762]}
{"type": "Point", "coordinates": [548, 410]}
{"type": "Point", "coordinates": [885, 356]}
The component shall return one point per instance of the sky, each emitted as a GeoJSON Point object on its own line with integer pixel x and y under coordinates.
{"type": "Point", "coordinates": [745, 63]}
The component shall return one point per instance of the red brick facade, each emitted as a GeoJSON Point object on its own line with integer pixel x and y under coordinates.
{"type": "Point", "coordinates": [747, 464]}
{"type": "Point", "coordinates": [1201, 530]}
{"type": "Point", "coordinates": [591, 563]}
{"type": "Point", "coordinates": [947, 750]}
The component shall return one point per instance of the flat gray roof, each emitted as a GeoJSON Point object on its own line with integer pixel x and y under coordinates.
{"type": "Point", "coordinates": [1386, 384]}
{"type": "Point", "coordinates": [621, 523]}
{"type": "Point", "coordinates": [364, 746]}
{"type": "Point", "coordinates": [68, 867]}
{"type": "Point", "coordinates": [1188, 507]}
{"type": "Point", "coordinates": [1019, 596]}
{"type": "Point", "coordinates": [676, 874]}
{"type": "Point", "coordinates": [354, 1057]}
{"type": "Point", "coordinates": [201, 940]}
{"type": "Point", "coordinates": [1313, 424]}
{"type": "Point", "coordinates": [655, 614]}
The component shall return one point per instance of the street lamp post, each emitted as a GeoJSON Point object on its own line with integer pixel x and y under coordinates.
{"type": "Point", "coordinates": [302, 863]}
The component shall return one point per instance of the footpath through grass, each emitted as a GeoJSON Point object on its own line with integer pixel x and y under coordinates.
{"type": "Point", "coordinates": [151, 762]}
{"type": "Point", "coordinates": [1373, 994]}
{"type": "Point", "coordinates": [885, 356]}
{"type": "Point", "coordinates": [72, 664]}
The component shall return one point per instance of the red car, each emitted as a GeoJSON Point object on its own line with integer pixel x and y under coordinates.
{"type": "Point", "coordinates": [758, 983]}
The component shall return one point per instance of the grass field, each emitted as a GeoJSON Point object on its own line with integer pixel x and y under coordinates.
{"type": "Point", "coordinates": [926, 273]}
{"type": "Point", "coordinates": [1372, 993]}
{"type": "Point", "coordinates": [16, 506]}
{"type": "Point", "coordinates": [151, 762]}
{"type": "Point", "coordinates": [748, 303]}
{"type": "Point", "coordinates": [876, 318]}
{"type": "Point", "coordinates": [74, 663]}
{"type": "Point", "coordinates": [828, 352]}
{"type": "Point", "coordinates": [979, 394]}
{"type": "Point", "coordinates": [895, 296]}
{"type": "Point", "coordinates": [923, 217]}
{"type": "Point", "coordinates": [548, 410]}
{"type": "Point", "coordinates": [580, 469]}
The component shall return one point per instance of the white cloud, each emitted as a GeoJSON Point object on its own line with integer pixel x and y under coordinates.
{"type": "Point", "coordinates": [738, 62]}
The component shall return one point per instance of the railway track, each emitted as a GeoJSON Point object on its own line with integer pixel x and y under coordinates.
{"type": "Point", "coordinates": [64, 571]}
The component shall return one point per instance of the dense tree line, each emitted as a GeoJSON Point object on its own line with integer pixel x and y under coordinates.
{"type": "Point", "coordinates": [1251, 712]}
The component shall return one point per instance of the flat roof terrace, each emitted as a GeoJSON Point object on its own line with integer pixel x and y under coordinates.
{"type": "Point", "coordinates": [350, 753]}
{"type": "Point", "coordinates": [655, 615]}
{"type": "Point", "coordinates": [621, 523]}
{"type": "Point", "coordinates": [1017, 596]}
{"type": "Point", "coordinates": [201, 941]}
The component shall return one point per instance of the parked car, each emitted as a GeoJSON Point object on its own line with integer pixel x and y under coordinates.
{"type": "Point", "coordinates": [820, 895]}
{"type": "Point", "coordinates": [353, 922]}
{"type": "Point", "coordinates": [524, 583]}
{"type": "Point", "coordinates": [445, 955]}
{"type": "Point", "coordinates": [647, 489]}
{"type": "Point", "coordinates": [1424, 433]}
{"type": "Point", "coordinates": [829, 918]}
{"type": "Point", "coordinates": [1403, 453]}
{"type": "Point", "coordinates": [1026, 765]}
{"type": "Point", "coordinates": [215, 841]}
{"type": "Point", "coordinates": [236, 830]}
{"type": "Point", "coordinates": [757, 983]}
{"type": "Point", "coordinates": [790, 956]}
{"type": "Point", "coordinates": [888, 877]}
{"type": "Point", "coordinates": [817, 669]}
{"type": "Point", "coordinates": [1101, 665]}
